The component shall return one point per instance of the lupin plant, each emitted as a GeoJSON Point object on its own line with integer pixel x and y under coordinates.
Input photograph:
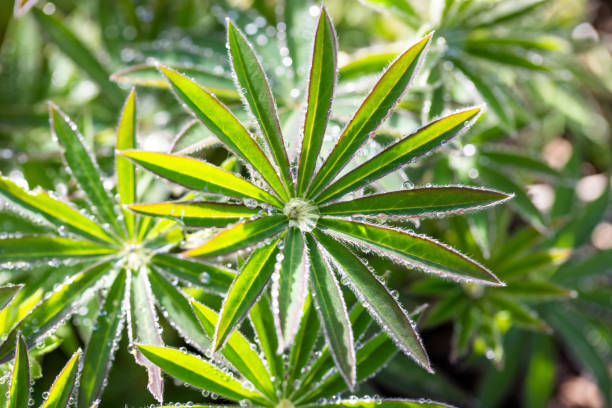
{"type": "Point", "coordinates": [121, 256]}
{"type": "Point", "coordinates": [291, 214]}
{"type": "Point", "coordinates": [307, 378]}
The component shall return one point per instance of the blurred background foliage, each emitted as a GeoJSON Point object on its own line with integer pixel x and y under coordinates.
{"type": "Point", "coordinates": [542, 67]}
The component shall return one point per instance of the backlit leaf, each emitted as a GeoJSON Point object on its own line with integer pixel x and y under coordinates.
{"type": "Point", "coordinates": [19, 389]}
{"type": "Point", "coordinates": [126, 172]}
{"type": "Point", "coordinates": [37, 247]}
{"type": "Point", "coordinates": [197, 213]}
{"type": "Point", "coordinates": [63, 386]}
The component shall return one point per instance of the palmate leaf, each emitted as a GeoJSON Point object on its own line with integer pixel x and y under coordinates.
{"type": "Point", "coordinates": [19, 389]}
{"type": "Point", "coordinates": [224, 124]}
{"type": "Point", "coordinates": [323, 78]}
{"type": "Point", "coordinates": [143, 327]}
{"type": "Point", "coordinates": [199, 175]}
{"type": "Point", "coordinates": [304, 341]}
{"type": "Point", "coordinates": [238, 351]}
{"type": "Point", "coordinates": [53, 310]}
{"type": "Point", "coordinates": [332, 312]}
{"type": "Point", "coordinates": [403, 152]}
{"type": "Point", "coordinates": [290, 287]}
{"type": "Point", "coordinates": [100, 348]}
{"type": "Point", "coordinates": [256, 91]}
{"type": "Point", "coordinates": [245, 290]}
{"type": "Point", "coordinates": [240, 235]}
{"type": "Point", "coordinates": [414, 249]}
{"type": "Point", "coordinates": [126, 173]}
{"type": "Point", "coordinates": [213, 278]}
{"type": "Point", "coordinates": [262, 321]}
{"type": "Point", "coordinates": [197, 213]}
{"type": "Point", "coordinates": [178, 311]}
{"type": "Point", "coordinates": [63, 386]}
{"type": "Point", "coordinates": [372, 112]}
{"type": "Point", "coordinates": [40, 247]}
{"type": "Point", "coordinates": [56, 212]}
{"type": "Point", "coordinates": [83, 167]}
{"type": "Point", "coordinates": [199, 373]}
{"type": "Point", "coordinates": [418, 202]}
{"type": "Point", "coordinates": [381, 304]}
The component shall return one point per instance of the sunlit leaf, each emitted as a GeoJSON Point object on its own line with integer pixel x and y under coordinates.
{"type": "Point", "coordinates": [245, 291]}
{"type": "Point", "coordinates": [332, 312]}
{"type": "Point", "coordinates": [7, 293]}
{"type": "Point", "coordinates": [199, 175]}
{"type": "Point", "coordinates": [83, 167]}
{"type": "Point", "coordinates": [19, 389]}
{"type": "Point", "coordinates": [372, 112]}
{"type": "Point", "coordinates": [256, 90]}
{"type": "Point", "coordinates": [418, 202]}
{"type": "Point", "coordinates": [208, 276]}
{"type": "Point", "coordinates": [197, 213]}
{"type": "Point", "coordinates": [126, 173]}
{"type": "Point", "coordinates": [53, 210]}
{"type": "Point", "coordinates": [39, 247]}
{"type": "Point", "coordinates": [240, 235]}
{"type": "Point", "coordinates": [63, 386]}
{"type": "Point", "coordinates": [219, 119]}
{"type": "Point", "coordinates": [413, 249]}
{"type": "Point", "coordinates": [99, 352]}
{"type": "Point", "coordinates": [381, 304]}
{"type": "Point", "coordinates": [238, 351]}
{"type": "Point", "coordinates": [321, 85]}
{"type": "Point", "coordinates": [197, 372]}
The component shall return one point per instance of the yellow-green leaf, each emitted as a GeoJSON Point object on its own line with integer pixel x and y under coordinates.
{"type": "Point", "coordinates": [126, 172]}
{"type": "Point", "coordinates": [61, 390]}
{"type": "Point", "coordinates": [197, 213]}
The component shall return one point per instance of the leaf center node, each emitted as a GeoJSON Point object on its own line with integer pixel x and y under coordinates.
{"type": "Point", "coordinates": [301, 214]}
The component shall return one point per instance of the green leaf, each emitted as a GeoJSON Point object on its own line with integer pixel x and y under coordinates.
{"type": "Point", "coordinates": [256, 91]}
{"type": "Point", "coordinates": [197, 213]}
{"type": "Point", "coordinates": [418, 202]}
{"type": "Point", "coordinates": [245, 290]}
{"type": "Point", "coordinates": [178, 311]}
{"type": "Point", "coordinates": [290, 288]}
{"type": "Point", "coordinates": [371, 357]}
{"type": "Point", "coordinates": [238, 351]}
{"type": "Point", "coordinates": [37, 247]}
{"type": "Point", "coordinates": [126, 172]}
{"type": "Point", "coordinates": [385, 403]}
{"type": "Point", "coordinates": [372, 112]}
{"type": "Point", "coordinates": [210, 277]}
{"type": "Point", "coordinates": [414, 249]}
{"type": "Point", "coordinates": [445, 309]}
{"type": "Point", "coordinates": [99, 352]}
{"type": "Point", "coordinates": [220, 120]}
{"type": "Point", "coordinates": [304, 341]}
{"type": "Point", "coordinates": [519, 160]}
{"type": "Point", "coordinates": [464, 328]}
{"type": "Point", "coordinates": [199, 175]}
{"type": "Point", "coordinates": [401, 153]}
{"type": "Point", "coordinates": [7, 293]}
{"type": "Point", "coordinates": [19, 389]}
{"type": "Point", "coordinates": [369, 64]}
{"type": "Point", "coordinates": [70, 45]}
{"type": "Point", "coordinates": [83, 166]}
{"type": "Point", "coordinates": [144, 327]}
{"type": "Point", "coordinates": [262, 321]}
{"type": "Point", "coordinates": [62, 302]}
{"type": "Point", "coordinates": [541, 373]}
{"type": "Point", "coordinates": [332, 312]}
{"type": "Point", "coordinates": [490, 91]}
{"type": "Point", "coordinates": [573, 328]}
{"type": "Point", "coordinates": [504, 12]}
{"type": "Point", "coordinates": [323, 78]}
{"type": "Point", "coordinates": [537, 290]}
{"type": "Point", "coordinates": [63, 386]}
{"type": "Point", "coordinates": [148, 75]}
{"type": "Point", "coordinates": [240, 235]}
{"type": "Point", "coordinates": [381, 304]}
{"type": "Point", "coordinates": [520, 314]}
{"type": "Point", "coordinates": [360, 322]}
{"type": "Point", "coordinates": [521, 200]}
{"type": "Point", "coordinates": [56, 212]}
{"type": "Point", "coordinates": [197, 372]}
